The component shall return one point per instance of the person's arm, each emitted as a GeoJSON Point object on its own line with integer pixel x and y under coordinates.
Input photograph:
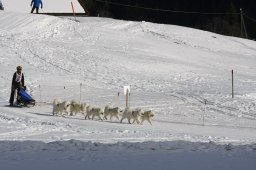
{"type": "Point", "coordinates": [22, 80]}
{"type": "Point", "coordinates": [13, 79]}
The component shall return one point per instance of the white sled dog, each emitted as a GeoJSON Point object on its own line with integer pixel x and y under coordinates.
{"type": "Point", "coordinates": [76, 107]}
{"type": "Point", "coordinates": [137, 114]}
{"type": "Point", "coordinates": [112, 112]}
{"type": "Point", "coordinates": [94, 111]}
{"type": "Point", "coordinates": [132, 114]}
{"type": "Point", "coordinates": [55, 109]}
{"type": "Point", "coordinates": [60, 107]}
{"type": "Point", "coordinates": [147, 115]}
{"type": "Point", "coordinates": [83, 108]}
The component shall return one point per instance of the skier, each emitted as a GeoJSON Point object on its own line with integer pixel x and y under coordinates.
{"type": "Point", "coordinates": [1, 5]}
{"type": "Point", "coordinates": [36, 4]}
{"type": "Point", "coordinates": [17, 82]}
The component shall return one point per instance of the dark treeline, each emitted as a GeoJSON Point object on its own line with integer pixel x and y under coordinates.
{"type": "Point", "coordinates": [227, 23]}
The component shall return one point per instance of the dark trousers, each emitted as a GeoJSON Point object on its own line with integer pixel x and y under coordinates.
{"type": "Point", "coordinates": [37, 8]}
{"type": "Point", "coordinates": [1, 7]}
{"type": "Point", "coordinates": [14, 88]}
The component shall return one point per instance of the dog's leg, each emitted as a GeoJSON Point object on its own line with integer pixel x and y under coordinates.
{"type": "Point", "coordinates": [129, 120]}
{"type": "Point", "coordinates": [122, 120]}
{"type": "Point", "coordinates": [86, 117]}
{"type": "Point", "coordinates": [149, 121]}
{"type": "Point", "coordinates": [117, 117]}
{"type": "Point", "coordinates": [133, 120]}
{"type": "Point", "coordinates": [66, 112]}
{"type": "Point", "coordinates": [137, 121]}
{"type": "Point", "coordinates": [53, 111]}
{"type": "Point", "coordinates": [63, 113]}
{"type": "Point", "coordinates": [100, 118]}
{"type": "Point", "coordinates": [142, 120]}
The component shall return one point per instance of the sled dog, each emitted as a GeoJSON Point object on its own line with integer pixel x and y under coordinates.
{"type": "Point", "coordinates": [60, 107]}
{"type": "Point", "coordinates": [131, 114]}
{"type": "Point", "coordinates": [94, 111]}
{"type": "Point", "coordinates": [136, 114]}
{"type": "Point", "coordinates": [112, 112]}
{"type": "Point", "coordinates": [55, 109]}
{"type": "Point", "coordinates": [74, 108]}
{"type": "Point", "coordinates": [147, 115]}
{"type": "Point", "coordinates": [83, 108]}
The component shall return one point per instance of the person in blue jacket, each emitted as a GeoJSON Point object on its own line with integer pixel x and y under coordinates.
{"type": "Point", "coordinates": [36, 4]}
{"type": "Point", "coordinates": [1, 5]}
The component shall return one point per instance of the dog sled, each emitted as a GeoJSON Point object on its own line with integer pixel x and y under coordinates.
{"type": "Point", "coordinates": [24, 99]}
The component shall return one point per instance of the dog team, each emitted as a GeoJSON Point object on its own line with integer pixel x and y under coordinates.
{"type": "Point", "coordinates": [90, 112]}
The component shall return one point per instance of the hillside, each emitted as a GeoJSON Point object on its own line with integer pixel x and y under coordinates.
{"type": "Point", "coordinates": [172, 70]}
{"type": "Point", "coordinates": [223, 17]}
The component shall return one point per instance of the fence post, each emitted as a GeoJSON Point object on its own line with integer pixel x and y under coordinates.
{"type": "Point", "coordinates": [73, 10]}
{"type": "Point", "coordinates": [204, 111]}
{"type": "Point", "coordinates": [232, 72]}
{"type": "Point", "coordinates": [80, 92]}
{"type": "Point", "coordinates": [129, 99]}
{"type": "Point", "coordinates": [241, 21]}
{"type": "Point", "coordinates": [127, 96]}
{"type": "Point", "coordinates": [40, 93]}
{"type": "Point", "coordinates": [243, 27]}
{"type": "Point", "coordinates": [127, 93]}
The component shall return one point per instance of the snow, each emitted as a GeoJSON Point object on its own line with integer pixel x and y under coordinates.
{"type": "Point", "coordinates": [55, 6]}
{"type": "Point", "coordinates": [172, 70]}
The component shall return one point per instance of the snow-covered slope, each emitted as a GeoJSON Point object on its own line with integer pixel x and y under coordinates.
{"type": "Point", "coordinates": [56, 6]}
{"type": "Point", "coordinates": [172, 70]}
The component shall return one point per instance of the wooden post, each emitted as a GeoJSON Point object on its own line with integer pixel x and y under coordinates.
{"type": "Point", "coordinates": [127, 96]}
{"type": "Point", "coordinates": [73, 9]}
{"type": "Point", "coordinates": [205, 101]}
{"type": "Point", "coordinates": [80, 92]}
{"type": "Point", "coordinates": [40, 93]}
{"type": "Point", "coordinates": [126, 92]}
{"type": "Point", "coordinates": [232, 83]}
{"type": "Point", "coordinates": [243, 27]}
{"type": "Point", "coordinates": [241, 22]}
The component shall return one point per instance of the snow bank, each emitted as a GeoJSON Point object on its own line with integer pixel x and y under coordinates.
{"type": "Point", "coordinates": [146, 155]}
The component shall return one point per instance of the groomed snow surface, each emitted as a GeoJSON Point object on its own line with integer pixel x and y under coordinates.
{"type": "Point", "coordinates": [182, 74]}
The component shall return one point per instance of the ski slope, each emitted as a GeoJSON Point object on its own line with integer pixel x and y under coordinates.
{"type": "Point", "coordinates": [55, 6]}
{"type": "Point", "coordinates": [182, 74]}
